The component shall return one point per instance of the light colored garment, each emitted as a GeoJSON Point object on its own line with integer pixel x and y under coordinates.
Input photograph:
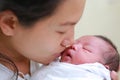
{"type": "Point", "coordinates": [6, 74]}
{"type": "Point", "coordinates": [66, 71]}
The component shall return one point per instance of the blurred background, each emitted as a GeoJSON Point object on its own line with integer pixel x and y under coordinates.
{"type": "Point", "coordinates": [101, 17]}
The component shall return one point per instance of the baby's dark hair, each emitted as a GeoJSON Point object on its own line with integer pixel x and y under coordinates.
{"type": "Point", "coordinates": [111, 60]}
{"type": "Point", "coordinates": [29, 11]}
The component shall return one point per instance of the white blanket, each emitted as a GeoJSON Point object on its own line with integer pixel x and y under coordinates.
{"type": "Point", "coordinates": [65, 71]}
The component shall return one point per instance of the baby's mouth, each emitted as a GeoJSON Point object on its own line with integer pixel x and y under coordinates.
{"type": "Point", "coordinates": [66, 57]}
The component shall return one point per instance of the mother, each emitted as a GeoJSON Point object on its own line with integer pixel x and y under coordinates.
{"type": "Point", "coordinates": [37, 30]}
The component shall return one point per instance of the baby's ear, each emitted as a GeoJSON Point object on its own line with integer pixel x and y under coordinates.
{"type": "Point", "coordinates": [107, 66]}
{"type": "Point", "coordinates": [7, 22]}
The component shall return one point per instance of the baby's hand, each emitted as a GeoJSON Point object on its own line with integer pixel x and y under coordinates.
{"type": "Point", "coordinates": [114, 75]}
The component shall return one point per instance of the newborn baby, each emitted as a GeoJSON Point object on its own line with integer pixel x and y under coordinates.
{"type": "Point", "coordinates": [89, 58]}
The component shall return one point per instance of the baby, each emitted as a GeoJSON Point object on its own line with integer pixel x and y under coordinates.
{"type": "Point", "coordinates": [89, 58]}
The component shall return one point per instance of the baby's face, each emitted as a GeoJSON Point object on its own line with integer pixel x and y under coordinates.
{"type": "Point", "coordinates": [87, 49]}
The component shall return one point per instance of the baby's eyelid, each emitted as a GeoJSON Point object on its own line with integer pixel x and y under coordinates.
{"type": "Point", "coordinates": [87, 49]}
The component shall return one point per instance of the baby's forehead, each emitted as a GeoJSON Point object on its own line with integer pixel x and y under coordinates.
{"type": "Point", "coordinates": [85, 38]}
{"type": "Point", "coordinates": [92, 40]}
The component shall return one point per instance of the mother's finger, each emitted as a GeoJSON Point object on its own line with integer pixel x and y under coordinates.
{"type": "Point", "coordinates": [114, 75]}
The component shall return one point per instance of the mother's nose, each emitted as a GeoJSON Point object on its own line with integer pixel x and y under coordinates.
{"type": "Point", "coordinates": [67, 43]}
{"type": "Point", "coordinates": [68, 39]}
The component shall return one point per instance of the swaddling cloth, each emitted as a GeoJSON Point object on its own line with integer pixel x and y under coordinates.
{"type": "Point", "coordinates": [66, 71]}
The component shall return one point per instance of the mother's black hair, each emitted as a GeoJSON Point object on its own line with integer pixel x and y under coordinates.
{"type": "Point", "coordinates": [29, 11]}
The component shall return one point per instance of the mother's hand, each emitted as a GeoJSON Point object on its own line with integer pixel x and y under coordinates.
{"type": "Point", "coordinates": [114, 75]}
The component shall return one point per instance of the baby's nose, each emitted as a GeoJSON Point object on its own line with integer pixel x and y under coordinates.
{"type": "Point", "coordinates": [76, 46]}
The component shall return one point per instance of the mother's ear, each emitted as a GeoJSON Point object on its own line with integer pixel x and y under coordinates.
{"type": "Point", "coordinates": [7, 22]}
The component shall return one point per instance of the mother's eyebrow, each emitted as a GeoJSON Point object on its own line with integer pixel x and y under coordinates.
{"type": "Point", "coordinates": [68, 23]}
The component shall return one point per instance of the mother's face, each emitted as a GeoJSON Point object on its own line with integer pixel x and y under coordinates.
{"type": "Point", "coordinates": [46, 39]}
